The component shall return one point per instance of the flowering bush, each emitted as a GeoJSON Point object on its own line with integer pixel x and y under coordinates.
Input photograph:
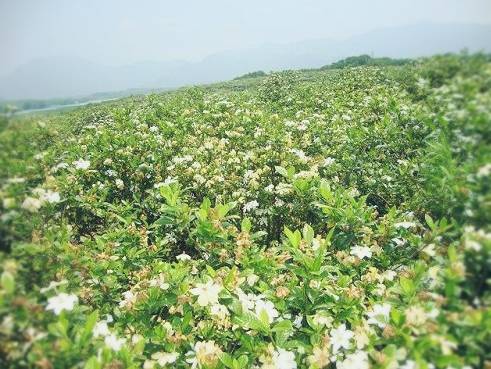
{"type": "Point", "coordinates": [319, 219]}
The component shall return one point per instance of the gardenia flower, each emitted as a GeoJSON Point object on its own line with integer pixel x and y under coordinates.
{"type": "Point", "coordinates": [164, 358]}
{"type": "Point", "coordinates": [100, 329]}
{"type": "Point", "coordinates": [81, 164]}
{"type": "Point", "coordinates": [32, 204]}
{"type": "Point", "coordinates": [51, 196]}
{"type": "Point", "coordinates": [319, 357]}
{"type": "Point", "coordinates": [119, 184]}
{"type": "Point", "coordinates": [252, 279]}
{"type": "Point", "coordinates": [61, 302]}
{"type": "Point", "coordinates": [321, 319]}
{"type": "Point", "coordinates": [205, 354]}
{"type": "Point", "coordinates": [219, 311]}
{"type": "Point", "coordinates": [283, 359]}
{"type": "Point", "coordinates": [340, 338]}
{"type": "Point", "coordinates": [129, 298]}
{"type": "Point", "coordinates": [159, 282]}
{"type": "Point", "coordinates": [113, 342]}
{"type": "Point", "coordinates": [484, 171]}
{"type": "Point", "coordinates": [361, 252]}
{"type": "Point", "coordinates": [297, 322]}
{"type": "Point", "coordinates": [183, 257]}
{"type": "Point", "coordinates": [357, 360]}
{"type": "Point", "coordinates": [379, 315]}
{"type": "Point", "coordinates": [361, 337]}
{"type": "Point", "coordinates": [409, 364]}
{"type": "Point", "coordinates": [207, 293]}
{"type": "Point", "coordinates": [268, 308]}
{"type": "Point", "coordinates": [405, 225]}
{"type": "Point", "coordinates": [250, 206]}
{"type": "Point", "coordinates": [246, 300]}
{"type": "Point", "coordinates": [416, 315]}
{"type": "Point", "coordinates": [328, 161]}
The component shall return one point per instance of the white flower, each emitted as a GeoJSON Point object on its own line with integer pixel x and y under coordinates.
{"type": "Point", "coordinates": [268, 308]}
{"type": "Point", "coordinates": [164, 358]}
{"type": "Point", "coordinates": [81, 164]}
{"type": "Point", "coordinates": [113, 342]}
{"type": "Point", "coordinates": [321, 319]}
{"type": "Point", "coordinates": [484, 171]}
{"type": "Point", "coordinates": [405, 225]}
{"type": "Point", "coordinates": [379, 315]}
{"type": "Point", "coordinates": [32, 204]}
{"type": "Point", "coordinates": [328, 161]}
{"type": "Point", "coordinates": [100, 329]}
{"type": "Point", "coordinates": [51, 196]}
{"type": "Point", "coordinates": [361, 252]}
{"type": "Point", "coordinates": [207, 293]}
{"type": "Point", "coordinates": [340, 338]}
{"type": "Point", "coordinates": [205, 354]}
{"type": "Point", "coordinates": [246, 300]}
{"type": "Point", "coordinates": [61, 302]}
{"type": "Point", "coordinates": [183, 257]}
{"type": "Point", "coordinates": [389, 275]}
{"type": "Point", "coordinates": [300, 154]}
{"type": "Point", "coordinates": [159, 282]}
{"type": "Point", "coordinates": [409, 364]}
{"type": "Point", "coordinates": [129, 299]}
{"type": "Point", "coordinates": [252, 279]}
{"type": "Point", "coordinates": [283, 359]}
{"type": "Point", "coordinates": [250, 206]}
{"type": "Point", "coordinates": [357, 360]}
{"type": "Point", "coordinates": [219, 311]}
{"type": "Point", "coordinates": [119, 184]}
{"type": "Point", "coordinates": [59, 166]}
{"type": "Point", "coordinates": [297, 322]}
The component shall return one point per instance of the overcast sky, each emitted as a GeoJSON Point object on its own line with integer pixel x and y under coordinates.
{"type": "Point", "coordinates": [117, 32]}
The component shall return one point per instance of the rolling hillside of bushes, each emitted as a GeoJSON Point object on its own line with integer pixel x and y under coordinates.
{"type": "Point", "coordinates": [337, 218]}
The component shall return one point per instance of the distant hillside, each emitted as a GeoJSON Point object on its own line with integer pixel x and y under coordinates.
{"type": "Point", "coordinates": [68, 77]}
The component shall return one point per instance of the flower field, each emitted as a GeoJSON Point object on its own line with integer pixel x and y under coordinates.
{"type": "Point", "coordinates": [314, 219]}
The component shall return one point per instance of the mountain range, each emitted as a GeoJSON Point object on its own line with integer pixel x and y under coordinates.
{"type": "Point", "coordinates": [68, 76]}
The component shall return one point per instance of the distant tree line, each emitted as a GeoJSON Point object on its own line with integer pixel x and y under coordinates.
{"type": "Point", "coordinates": [258, 73]}
{"type": "Point", "coordinates": [361, 60]}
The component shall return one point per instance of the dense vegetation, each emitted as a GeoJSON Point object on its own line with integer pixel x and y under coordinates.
{"type": "Point", "coordinates": [362, 60]}
{"type": "Point", "coordinates": [323, 219]}
{"type": "Point", "coordinates": [258, 73]}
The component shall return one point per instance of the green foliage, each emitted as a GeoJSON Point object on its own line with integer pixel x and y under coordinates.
{"type": "Point", "coordinates": [282, 222]}
{"type": "Point", "coordinates": [365, 60]}
{"type": "Point", "coordinates": [256, 74]}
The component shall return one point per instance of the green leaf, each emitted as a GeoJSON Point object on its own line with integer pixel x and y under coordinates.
{"type": "Point", "coordinates": [407, 286]}
{"type": "Point", "coordinates": [246, 225]}
{"type": "Point", "coordinates": [89, 326]}
{"type": "Point", "coordinates": [227, 360]}
{"type": "Point", "coordinates": [243, 361]}
{"type": "Point", "coordinates": [308, 233]}
{"type": "Point", "coordinates": [211, 271]}
{"type": "Point", "coordinates": [8, 282]}
{"type": "Point", "coordinates": [281, 171]}
{"type": "Point", "coordinates": [92, 363]}
{"type": "Point", "coordinates": [293, 237]}
{"type": "Point", "coordinates": [430, 221]}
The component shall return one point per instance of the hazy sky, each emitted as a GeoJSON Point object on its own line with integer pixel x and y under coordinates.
{"type": "Point", "coordinates": [117, 32]}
